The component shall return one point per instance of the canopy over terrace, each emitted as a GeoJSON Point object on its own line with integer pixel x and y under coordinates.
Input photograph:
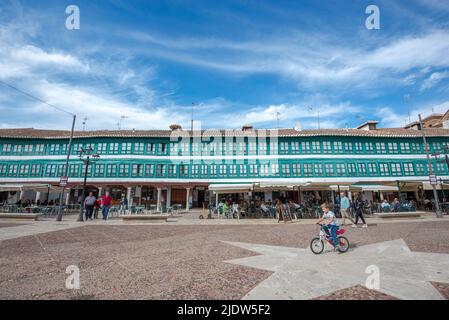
{"type": "Point", "coordinates": [376, 187]}
{"type": "Point", "coordinates": [22, 187]}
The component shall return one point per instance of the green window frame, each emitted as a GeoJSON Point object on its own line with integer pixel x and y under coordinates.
{"type": "Point", "coordinates": [253, 169]}
{"type": "Point", "coordinates": [274, 169]}
{"type": "Point", "coordinates": [318, 169]}
{"type": "Point", "coordinates": [308, 169]}
{"type": "Point", "coordinates": [341, 169]}
{"type": "Point", "coordinates": [99, 170]}
{"type": "Point", "coordinates": [296, 169]}
{"type": "Point", "coordinates": [3, 170]}
{"type": "Point", "coordinates": [352, 169]}
{"type": "Point", "coordinates": [23, 170]}
{"type": "Point", "coordinates": [329, 169]}
{"type": "Point", "coordinates": [285, 168]}
{"type": "Point", "coordinates": [184, 170]}
{"type": "Point", "coordinates": [338, 147]}
{"type": "Point", "coordinates": [409, 169]}
{"type": "Point", "coordinates": [393, 147]}
{"type": "Point", "coordinates": [149, 170]}
{"type": "Point", "coordinates": [372, 169]}
{"type": "Point", "coordinates": [384, 169]}
{"type": "Point", "coordinates": [114, 148]}
{"type": "Point", "coordinates": [305, 147]}
{"type": "Point", "coordinates": [35, 170]}
{"type": "Point", "coordinates": [327, 147]}
{"type": "Point", "coordinates": [172, 170]}
{"type": "Point", "coordinates": [111, 170]}
{"type": "Point", "coordinates": [137, 169]}
{"type": "Point", "coordinates": [195, 170]}
{"type": "Point", "coordinates": [396, 169]}
{"type": "Point", "coordinates": [13, 170]}
{"type": "Point", "coordinates": [160, 170]}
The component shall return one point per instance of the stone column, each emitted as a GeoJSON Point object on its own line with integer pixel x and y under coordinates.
{"type": "Point", "coordinates": [139, 194]}
{"type": "Point", "coordinates": [381, 196]}
{"type": "Point", "coordinates": [158, 201]}
{"type": "Point", "coordinates": [168, 197]}
{"type": "Point", "coordinates": [100, 191]}
{"type": "Point", "coordinates": [350, 195]}
{"type": "Point", "coordinates": [38, 196]}
{"type": "Point", "coordinates": [67, 197]}
{"type": "Point", "coordinates": [128, 196]}
{"type": "Point", "coordinates": [187, 198]}
{"type": "Point", "coordinates": [216, 203]}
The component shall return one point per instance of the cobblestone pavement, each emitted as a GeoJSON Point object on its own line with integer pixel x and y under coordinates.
{"type": "Point", "coordinates": [146, 261]}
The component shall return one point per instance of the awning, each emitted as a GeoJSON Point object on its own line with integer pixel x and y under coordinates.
{"type": "Point", "coordinates": [20, 187]}
{"type": "Point", "coordinates": [231, 188]}
{"type": "Point", "coordinates": [428, 186]}
{"type": "Point", "coordinates": [345, 188]}
{"type": "Point", "coordinates": [279, 186]}
{"type": "Point", "coordinates": [377, 188]}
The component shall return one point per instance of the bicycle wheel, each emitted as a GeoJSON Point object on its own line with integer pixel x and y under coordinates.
{"type": "Point", "coordinates": [344, 244]}
{"type": "Point", "coordinates": [317, 245]}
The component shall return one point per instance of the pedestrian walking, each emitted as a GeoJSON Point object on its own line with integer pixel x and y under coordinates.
{"type": "Point", "coordinates": [358, 207]}
{"type": "Point", "coordinates": [106, 201]}
{"type": "Point", "coordinates": [344, 209]}
{"type": "Point", "coordinates": [123, 204]}
{"type": "Point", "coordinates": [89, 203]}
{"type": "Point", "coordinates": [97, 207]}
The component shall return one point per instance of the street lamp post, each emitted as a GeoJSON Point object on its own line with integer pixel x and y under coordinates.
{"type": "Point", "coordinates": [426, 146]}
{"type": "Point", "coordinates": [88, 152]}
{"type": "Point", "coordinates": [66, 168]}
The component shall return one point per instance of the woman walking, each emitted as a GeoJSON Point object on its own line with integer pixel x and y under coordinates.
{"type": "Point", "coordinates": [358, 207]}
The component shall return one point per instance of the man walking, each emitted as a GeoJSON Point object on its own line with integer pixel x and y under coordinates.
{"type": "Point", "coordinates": [89, 203]}
{"type": "Point", "coordinates": [123, 204]}
{"type": "Point", "coordinates": [344, 208]}
{"type": "Point", "coordinates": [106, 203]}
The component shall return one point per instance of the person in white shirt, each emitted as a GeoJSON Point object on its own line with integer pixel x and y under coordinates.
{"type": "Point", "coordinates": [330, 224]}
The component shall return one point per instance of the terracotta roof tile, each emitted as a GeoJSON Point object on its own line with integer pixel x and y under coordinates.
{"type": "Point", "coordinates": [380, 132]}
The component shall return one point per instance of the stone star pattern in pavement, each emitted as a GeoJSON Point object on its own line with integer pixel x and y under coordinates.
{"type": "Point", "coordinates": [299, 274]}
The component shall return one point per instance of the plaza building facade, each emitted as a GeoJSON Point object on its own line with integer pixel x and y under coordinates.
{"type": "Point", "coordinates": [193, 168]}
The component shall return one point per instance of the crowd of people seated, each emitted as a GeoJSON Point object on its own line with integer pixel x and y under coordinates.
{"type": "Point", "coordinates": [286, 209]}
{"type": "Point", "coordinates": [281, 208]}
{"type": "Point", "coordinates": [32, 203]}
{"type": "Point", "coordinates": [397, 206]}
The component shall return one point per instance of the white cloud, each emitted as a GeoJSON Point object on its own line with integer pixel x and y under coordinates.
{"type": "Point", "coordinates": [318, 63]}
{"type": "Point", "coordinates": [433, 79]}
{"type": "Point", "coordinates": [391, 118]}
{"type": "Point", "coordinates": [91, 91]}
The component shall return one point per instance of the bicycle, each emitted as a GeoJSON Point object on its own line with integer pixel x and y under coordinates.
{"type": "Point", "coordinates": [317, 243]}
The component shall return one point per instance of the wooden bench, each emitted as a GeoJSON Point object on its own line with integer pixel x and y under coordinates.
{"type": "Point", "coordinates": [20, 216]}
{"type": "Point", "coordinates": [398, 215]}
{"type": "Point", "coordinates": [146, 217]}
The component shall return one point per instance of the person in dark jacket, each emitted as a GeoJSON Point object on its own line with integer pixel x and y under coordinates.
{"type": "Point", "coordinates": [89, 203]}
{"type": "Point", "coordinates": [358, 209]}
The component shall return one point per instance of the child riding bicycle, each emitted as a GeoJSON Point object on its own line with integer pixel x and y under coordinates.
{"type": "Point", "coordinates": [329, 224]}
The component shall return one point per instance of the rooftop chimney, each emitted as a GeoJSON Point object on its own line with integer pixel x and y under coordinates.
{"type": "Point", "coordinates": [247, 127]}
{"type": "Point", "coordinates": [175, 126]}
{"type": "Point", "coordinates": [368, 125]}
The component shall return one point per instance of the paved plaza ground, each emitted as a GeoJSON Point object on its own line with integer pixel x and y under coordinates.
{"type": "Point", "coordinates": [189, 259]}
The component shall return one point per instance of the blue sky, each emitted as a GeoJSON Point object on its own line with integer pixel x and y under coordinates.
{"type": "Point", "coordinates": [238, 61]}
